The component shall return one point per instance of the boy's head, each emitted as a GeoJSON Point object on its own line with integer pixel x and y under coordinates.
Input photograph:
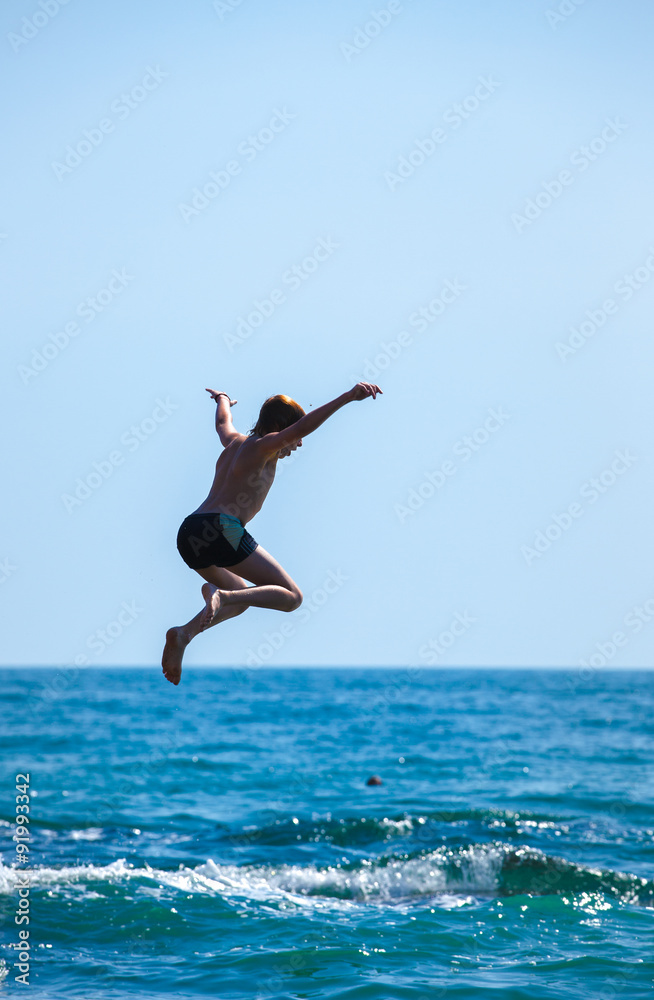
{"type": "Point", "coordinates": [276, 414]}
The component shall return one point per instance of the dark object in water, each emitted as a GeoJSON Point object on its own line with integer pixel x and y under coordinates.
{"type": "Point", "coordinates": [374, 780]}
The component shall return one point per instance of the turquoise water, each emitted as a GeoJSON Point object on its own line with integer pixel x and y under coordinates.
{"type": "Point", "coordinates": [219, 839]}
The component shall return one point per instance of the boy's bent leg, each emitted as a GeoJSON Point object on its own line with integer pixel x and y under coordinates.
{"type": "Point", "coordinates": [219, 578]}
{"type": "Point", "coordinates": [273, 587]}
{"type": "Point", "coordinates": [178, 638]}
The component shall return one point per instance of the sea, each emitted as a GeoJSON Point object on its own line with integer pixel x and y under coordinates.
{"type": "Point", "coordinates": [222, 839]}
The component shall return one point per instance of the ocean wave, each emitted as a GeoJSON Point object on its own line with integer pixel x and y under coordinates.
{"type": "Point", "coordinates": [453, 875]}
{"type": "Point", "coordinates": [424, 829]}
{"type": "Point", "coordinates": [365, 830]}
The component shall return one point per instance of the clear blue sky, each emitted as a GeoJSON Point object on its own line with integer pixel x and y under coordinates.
{"type": "Point", "coordinates": [487, 163]}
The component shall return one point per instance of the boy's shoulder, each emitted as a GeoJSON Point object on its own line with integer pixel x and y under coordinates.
{"type": "Point", "coordinates": [245, 448]}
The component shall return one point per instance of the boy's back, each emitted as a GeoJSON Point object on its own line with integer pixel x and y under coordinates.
{"type": "Point", "coordinates": [243, 477]}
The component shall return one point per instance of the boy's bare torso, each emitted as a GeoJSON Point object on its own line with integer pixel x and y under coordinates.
{"type": "Point", "coordinates": [242, 480]}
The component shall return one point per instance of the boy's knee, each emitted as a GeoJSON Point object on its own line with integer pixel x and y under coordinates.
{"type": "Point", "coordinates": [295, 600]}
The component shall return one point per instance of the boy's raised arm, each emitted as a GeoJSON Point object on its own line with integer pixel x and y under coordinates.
{"type": "Point", "coordinates": [224, 426]}
{"type": "Point", "coordinates": [312, 420]}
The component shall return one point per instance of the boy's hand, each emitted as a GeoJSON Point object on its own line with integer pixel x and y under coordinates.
{"type": "Point", "coordinates": [364, 389]}
{"type": "Point", "coordinates": [214, 395]}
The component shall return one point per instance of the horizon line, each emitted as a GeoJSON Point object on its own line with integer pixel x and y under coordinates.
{"type": "Point", "coordinates": [327, 666]}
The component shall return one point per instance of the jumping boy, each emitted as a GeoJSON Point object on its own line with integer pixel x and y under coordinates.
{"type": "Point", "coordinates": [213, 540]}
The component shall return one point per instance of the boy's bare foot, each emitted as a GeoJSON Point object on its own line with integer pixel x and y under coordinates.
{"type": "Point", "coordinates": [171, 661]}
{"type": "Point", "coordinates": [211, 595]}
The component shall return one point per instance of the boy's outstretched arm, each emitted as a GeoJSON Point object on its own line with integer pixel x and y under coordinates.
{"type": "Point", "coordinates": [224, 426]}
{"type": "Point", "coordinates": [311, 421]}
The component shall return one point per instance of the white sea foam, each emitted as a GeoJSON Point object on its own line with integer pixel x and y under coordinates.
{"type": "Point", "coordinates": [44, 877]}
{"type": "Point", "coordinates": [91, 833]}
{"type": "Point", "coordinates": [441, 873]}
{"type": "Point", "coordinates": [398, 826]}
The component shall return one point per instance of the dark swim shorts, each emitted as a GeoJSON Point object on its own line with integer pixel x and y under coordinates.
{"type": "Point", "coordinates": [213, 540]}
